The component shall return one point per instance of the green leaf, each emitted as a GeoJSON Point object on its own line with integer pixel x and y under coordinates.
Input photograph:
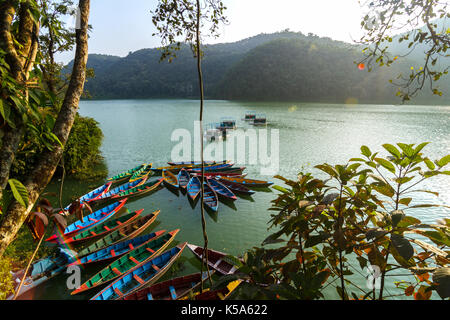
{"type": "Point", "coordinates": [5, 111]}
{"type": "Point", "coordinates": [420, 147]}
{"type": "Point", "coordinates": [407, 149]}
{"type": "Point", "coordinates": [19, 191]}
{"type": "Point", "coordinates": [441, 277]}
{"type": "Point", "coordinates": [366, 151]}
{"type": "Point", "coordinates": [385, 190]}
{"type": "Point", "coordinates": [281, 189]}
{"type": "Point", "coordinates": [405, 201]}
{"type": "Point", "coordinates": [429, 164]}
{"type": "Point", "coordinates": [403, 246]}
{"type": "Point", "coordinates": [386, 164]}
{"type": "Point", "coordinates": [408, 221]}
{"type": "Point", "coordinates": [328, 169]}
{"type": "Point", "coordinates": [392, 150]}
{"type": "Point", "coordinates": [444, 161]}
{"type": "Point", "coordinates": [437, 237]}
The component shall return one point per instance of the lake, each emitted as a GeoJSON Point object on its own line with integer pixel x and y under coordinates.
{"type": "Point", "coordinates": [138, 131]}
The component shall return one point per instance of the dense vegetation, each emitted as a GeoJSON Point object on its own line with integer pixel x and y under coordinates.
{"type": "Point", "coordinates": [280, 66]}
{"type": "Point", "coordinates": [360, 216]}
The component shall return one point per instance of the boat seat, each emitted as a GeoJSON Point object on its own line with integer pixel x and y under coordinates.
{"type": "Point", "coordinates": [155, 267]}
{"type": "Point", "coordinates": [217, 263]}
{"type": "Point", "coordinates": [130, 245]}
{"type": "Point", "coordinates": [138, 279]}
{"type": "Point", "coordinates": [112, 253]}
{"type": "Point", "coordinates": [149, 296]}
{"type": "Point", "coordinates": [106, 227]}
{"type": "Point", "coordinates": [119, 223]}
{"type": "Point", "coordinates": [118, 292]}
{"type": "Point", "coordinates": [173, 293]}
{"type": "Point", "coordinates": [116, 271]}
{"type": "Point", "coordinates": [134, 260]}
{"type": "Point", "coordinates": [150, 250]}
{"type": "Point", "coordinates": [93, 233]}
{"type": "Point", "coordinates": [93, 220]}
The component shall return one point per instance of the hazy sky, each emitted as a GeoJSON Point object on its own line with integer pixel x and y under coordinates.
{"type": "Point", "coordinates": [121, 26]}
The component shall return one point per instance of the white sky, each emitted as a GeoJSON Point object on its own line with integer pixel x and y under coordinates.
{"type": "Point", "coordinates": [122, 26]}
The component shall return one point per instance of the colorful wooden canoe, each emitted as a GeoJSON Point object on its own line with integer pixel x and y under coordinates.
{"type": "Point", "coordinates": [94, 194]}
{"type": "Point", "coordinates": [116, 250]}
{"type": "Point", "coordinates": [126, 232]}
{"type": "Point", "coordinates": [249, 182]}
{"type": "Point", "coordinates": [183, 178]}
{"type": "Point", "coordinates": [122, 177]}
{"type": "Point", "coordinates": [198, 163]}
{"type": "Point", "coordinates": [177, 168]}
{"type": "Point", "coordinates": [130, 260]}
{"type": "Point", "coordinates": [122, 188]}
{"type": "Point", "coordinates": [213, 168]}
{"type": "Point", "coordinates": [210, 198]}
{"type": "Point", "coordinates": [236, 187]}
{"type": "Point", "coordinates": [193, 187]}
{"type": "Point", "coordinates": [221, 294]}
{"type": "Point", "coordinates": [170, 179]}
{"type": "Point", "coordinates": [222, 171]}
{"type": "Point", "coordinates": [91, 220]}
{"type": "Point", "coordinates": [139, 190]}
{"type": "Point", "coordinates": [172, 289]}
{"type": "Point", "coordinates": [216, 259]}
{"type": "Point", "coordinates": [143, 274]}
{"type": "Point", "coordinates": [40, 271]}
{"type": "Point", "coordinates": [103, 228]}
{"type": "Point", "coordinates": [141, 173]}
{"type": "Point", "coordinates": [220, 189]}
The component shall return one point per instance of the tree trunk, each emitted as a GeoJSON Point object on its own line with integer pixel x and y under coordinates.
{"type": "Point", "coordinates": [21, 62]}
{"type": "Point", "coordinates": [45, 168]}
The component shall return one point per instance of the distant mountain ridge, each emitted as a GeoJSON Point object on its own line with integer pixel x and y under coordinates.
{"type": "Point", "coordinates": [280, 66]}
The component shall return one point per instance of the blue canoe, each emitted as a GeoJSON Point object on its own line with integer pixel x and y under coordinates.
{"type": "Point", "coordinates": [94, 194]}
{"type": "Point", "coordinates": [142, 275]}
{"type": "Point", "coordinates": [193, 187]}
{"type": "Point", "coordinates": [116, 250]}
{"type": "Point", "coordinates": [210, 197]}
{"type": "Point", "coordinates": [220, 189]}
{"type": "Point", "coordinates": [91, 220]}
{"type": "Point", "coordinates": [122, 188]}
{"type": "Point", "coordinates": [183, 178]}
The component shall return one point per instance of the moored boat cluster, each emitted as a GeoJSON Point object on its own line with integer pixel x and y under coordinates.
{"type": "Point", "coordinates": [136, 261]}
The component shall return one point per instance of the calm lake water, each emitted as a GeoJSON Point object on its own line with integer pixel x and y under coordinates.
{"type": "Point", "coordinates": [138, 131]}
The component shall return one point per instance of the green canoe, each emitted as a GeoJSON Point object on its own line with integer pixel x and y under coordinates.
{"type": "Point", "coordinates": [135, 257]}
{"type": "Point", "coordinates": [128, 231]}
{"type": "Point", "coordinates": [104, 228]}
{"type": "Point", "coordinates": [121, 177]}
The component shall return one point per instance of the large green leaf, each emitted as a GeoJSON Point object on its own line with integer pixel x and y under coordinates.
{"type": "Point", "coordinates": [392, 150]}
{"type": "Point", "coordinates": [444, 161]}
{"type": "Point", "coordinates": [386, 164]}
{"type": "Point", "coordinates": [442, 279]}
{"type": "Point", "coordinates": [19, 191]}
{"type": "Point", "coordinates": [366, 151]}
{"type": "Point", "coordinates": [403, 246]}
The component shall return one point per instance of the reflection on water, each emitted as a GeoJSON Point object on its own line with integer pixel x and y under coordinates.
{"type": "Point", "coordinates": [138, 131]}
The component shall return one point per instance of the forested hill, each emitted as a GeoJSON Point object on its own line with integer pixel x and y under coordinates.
{"type": "Point", "coordinates": [279, 66]}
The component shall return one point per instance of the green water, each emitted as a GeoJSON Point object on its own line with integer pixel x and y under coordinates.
{"type": "Point", "coordinates": [138, 131]}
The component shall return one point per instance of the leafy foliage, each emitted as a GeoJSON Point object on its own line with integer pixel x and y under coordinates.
{"type": "Point", "coordinates": [426, 36]}
{"type": "Point", "coordinates": [357, 213]}
{"type": "Point", "coordinates": [6, 282]}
